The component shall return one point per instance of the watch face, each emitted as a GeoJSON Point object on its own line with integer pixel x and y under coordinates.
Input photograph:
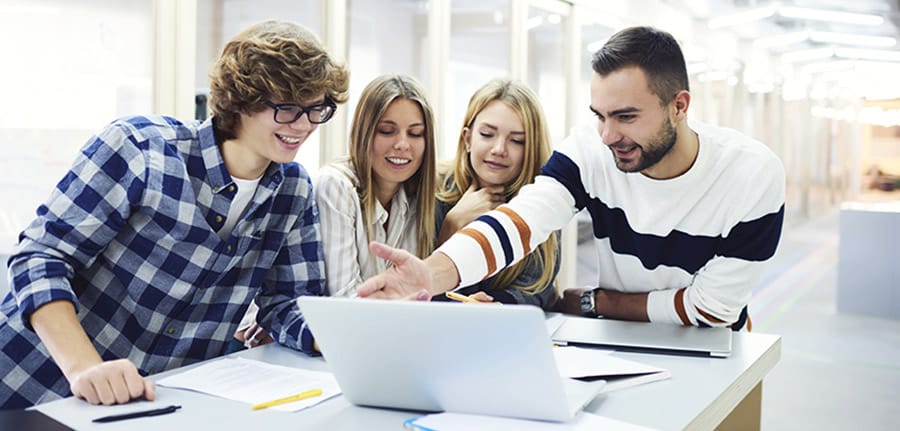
{"type": "Point", "coordinates": [587, 303]}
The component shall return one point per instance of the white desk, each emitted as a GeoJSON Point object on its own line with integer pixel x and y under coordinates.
{"type": "Point", "coordinates": [700, 394]}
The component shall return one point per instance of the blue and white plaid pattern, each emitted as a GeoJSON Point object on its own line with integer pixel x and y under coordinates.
{"type": "Point", "coordinates": [129, 236]}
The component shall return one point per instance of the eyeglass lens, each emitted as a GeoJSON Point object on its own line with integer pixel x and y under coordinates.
{"type": "Point", "coordinates": [288, 113]}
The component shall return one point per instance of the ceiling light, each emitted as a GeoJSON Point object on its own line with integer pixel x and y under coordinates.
{"type": "Point", "coordinates": [828, 66]}
{"type": "Point", "coordinates": [853, 39]}
{"type": "Point", "coordinates": [830, 15]}
{"type": "Point", "coordinates": [807, 55]}
{"type": "Point", "coordinates": [781, 39]}
{"type": "Point", "coordinates": [868, 54]}
{"type": "Point", "coordinates": [742, 17]}
{"type": "Point", "coordinates": [794, 12]}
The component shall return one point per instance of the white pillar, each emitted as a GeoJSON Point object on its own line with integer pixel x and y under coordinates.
{"type": "Point", "coordinates": [175, 26]}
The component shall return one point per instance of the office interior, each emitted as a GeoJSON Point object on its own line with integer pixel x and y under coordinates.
{"type": "Point", "coordinates": [815, 80]}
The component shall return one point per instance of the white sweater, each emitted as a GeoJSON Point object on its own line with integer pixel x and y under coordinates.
{"type": "Point", "coordinates": [695, 242]}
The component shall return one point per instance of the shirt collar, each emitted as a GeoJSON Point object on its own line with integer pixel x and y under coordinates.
{"type": "Point", "coordinates": [399, 206]}
{"type": "Point", "coordinates": [217, 175]}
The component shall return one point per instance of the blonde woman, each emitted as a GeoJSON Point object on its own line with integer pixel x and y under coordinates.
{"type": "Point", "coordinates": [384, 190]}
{"type": "Point", "coordinates": [503, 143]}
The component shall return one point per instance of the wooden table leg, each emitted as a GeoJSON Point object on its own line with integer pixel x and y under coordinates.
{"type": "Point", "coordinates": [747, 414]}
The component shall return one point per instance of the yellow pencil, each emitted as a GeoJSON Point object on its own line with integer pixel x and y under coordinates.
{"type": "Point", "coordinates": [297, 397]}
{"type": "Point", "coordinates": [461, 298]}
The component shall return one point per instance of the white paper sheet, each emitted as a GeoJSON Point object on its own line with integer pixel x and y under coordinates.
{"type": "Point", "coordinates": [574, 362]}
{"type": "Point", "coordinates": [255, 382]}
{"type": "Point", "coordinates": [462, 422]}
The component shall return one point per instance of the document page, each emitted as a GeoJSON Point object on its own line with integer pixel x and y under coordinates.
{"type": "Point", "coordinates": [575, 362]}
{"type": "Point", "coordinates": [255, 382]}
{"type": "Point", "coordinates": [578, 362]}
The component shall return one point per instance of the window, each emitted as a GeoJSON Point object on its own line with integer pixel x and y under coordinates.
{"type": "Point", "coordinates": [546, 63]}
{"type": "Point", "coordinates": [386, 37]}
{"type": "Point", "coordinates": [61, 86]}
{"type": "Point", "coordinates": [479, 52]}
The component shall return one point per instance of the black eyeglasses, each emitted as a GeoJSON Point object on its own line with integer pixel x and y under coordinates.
{"type": "Point", "coordinates": [287, 113]}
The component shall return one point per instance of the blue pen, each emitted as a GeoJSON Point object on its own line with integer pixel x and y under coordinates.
{"type": "Point", "coordinates": [140, 414]}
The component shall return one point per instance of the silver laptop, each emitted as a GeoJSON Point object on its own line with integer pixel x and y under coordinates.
{"type": "Point", "coordinates": [645, 336]}
{"type": "Point", "coordinates": [438, 356]}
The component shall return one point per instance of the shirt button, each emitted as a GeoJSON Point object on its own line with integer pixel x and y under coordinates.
{"type": "Point", "coordinates": [228, 248]}
{"type": "Point", "coordinates": [170, 331]}
{"type": "Point", "coordinates": [216, 189]}
{"type": "Point", "coordinates": [218, 219]}
{"type": "Point", "coordinates": [231, 188]}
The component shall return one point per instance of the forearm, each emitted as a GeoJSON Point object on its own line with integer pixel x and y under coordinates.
{"type": "Point", "coordinates": [506, 235]}
{"type": "Point", "coordinates": [622, 306]}
{"type": "Point", "coordinates": [444, 274]}
{"type": "Point", "coordinates": [57, 325]}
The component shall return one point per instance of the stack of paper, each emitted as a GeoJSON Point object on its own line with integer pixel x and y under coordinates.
{"type": "Point", "coordinates": [255, 382]}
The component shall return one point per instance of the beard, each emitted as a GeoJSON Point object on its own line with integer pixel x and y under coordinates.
{"type": "Point", "coordinates": [651, 153]}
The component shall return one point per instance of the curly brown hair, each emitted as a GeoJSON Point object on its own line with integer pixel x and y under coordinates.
{"type": "Point", "coordinates": [271, 60]}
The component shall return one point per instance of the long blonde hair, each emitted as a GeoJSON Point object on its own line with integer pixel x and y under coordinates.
{"type": "Point", "coordinates": [459, 174]}
{"type": "Point", "coordinates": [373, 103]}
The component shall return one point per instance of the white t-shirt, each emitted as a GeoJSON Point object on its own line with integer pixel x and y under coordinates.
{"type": "Point", "coordinates": [242, 198]}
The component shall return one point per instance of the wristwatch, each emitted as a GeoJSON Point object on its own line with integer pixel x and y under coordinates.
{"type": "Point", "coordinates": [588, 306]}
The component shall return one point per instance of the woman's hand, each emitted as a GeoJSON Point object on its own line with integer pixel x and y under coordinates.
{"type": "Point", "coordinates": [473, 203]}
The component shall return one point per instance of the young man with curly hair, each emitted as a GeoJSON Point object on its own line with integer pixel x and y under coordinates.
{"type": "Point", "coordinates": [152, 246]}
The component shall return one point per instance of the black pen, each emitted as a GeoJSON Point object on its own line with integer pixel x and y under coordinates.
{"type": "Point", "coordinates": [141, 414]}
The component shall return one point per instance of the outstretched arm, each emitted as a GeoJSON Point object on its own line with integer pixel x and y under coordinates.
{"type": "Point", "coordinates": [409, 277]}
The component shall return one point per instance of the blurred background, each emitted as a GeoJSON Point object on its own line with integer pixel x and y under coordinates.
{"type": "Point", "coordinates": [813, 79]}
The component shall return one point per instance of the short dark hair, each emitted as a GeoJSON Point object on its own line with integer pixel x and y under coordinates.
{"type": "Point", "coordinates": [654, 51]}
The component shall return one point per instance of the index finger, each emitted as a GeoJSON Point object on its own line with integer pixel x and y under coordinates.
{"type": "Point", "coordinates": [371, 287]}
{"type": "Point", "coordinates": [395, 255]}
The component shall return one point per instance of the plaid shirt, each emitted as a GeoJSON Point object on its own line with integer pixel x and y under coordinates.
{"type": "Point", "coordinates": [129, 236]}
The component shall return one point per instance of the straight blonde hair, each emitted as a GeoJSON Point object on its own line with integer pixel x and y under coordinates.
{"type": "Point", "coordinates": [373, 103]}
{"type": "Point", "coordinates": [459, 174]}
